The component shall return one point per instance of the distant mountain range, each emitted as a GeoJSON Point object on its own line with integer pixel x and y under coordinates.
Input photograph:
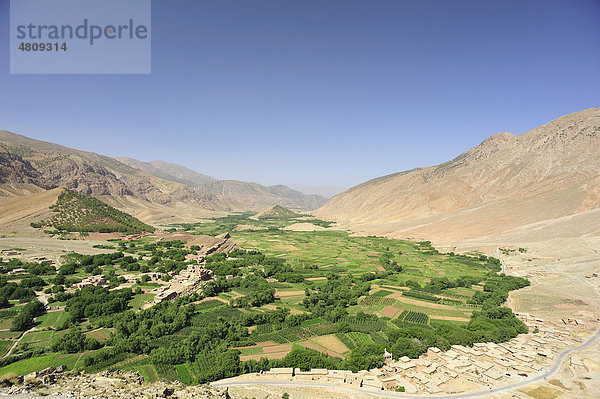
{"type": "Point", "coordinates": [156, 192]}
{"type": "Point", "coordinates": [232, 194]}
{"type": "Point", "coordinates": [545, 181]}
{"type": "Point", "coordinates": [169, 171]}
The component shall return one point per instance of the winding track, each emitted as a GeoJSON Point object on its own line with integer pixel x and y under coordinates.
{"type": "Point", "coordinates": [32, 329]}
{"type": "Point", "coordinates": [389, 394]}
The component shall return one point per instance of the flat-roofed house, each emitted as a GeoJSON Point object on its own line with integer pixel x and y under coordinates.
{"type": "Point", "coordinates": [17, 271]}
{"type": "Point", "coordinates": [354, 379]}
{"type": "Point", "coordinates": [394, 382]}
{"type": "Point", "coordinates": [281, 372]}
{"type": "Point", "coordinates": [371, 382]}
{"type": "Point", "coordinates": [494, 373]}
{"type": "Point", "coordinates": [337, 376]}
{"type": "Point", "coordinates": [401, 366]}
{"type": "Point", "coordinates": [433, 352]}
{"type": "Point", "coordinates": [311, 375]}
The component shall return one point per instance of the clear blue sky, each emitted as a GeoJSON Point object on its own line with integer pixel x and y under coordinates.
{"type": "Point", "coordinates": [321, 93]}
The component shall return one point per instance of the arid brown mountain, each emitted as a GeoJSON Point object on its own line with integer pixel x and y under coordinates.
{"type": "Point", "coordinates": [297, 200]}
{"type": "Point", "coordinates": [37, 165]}
{"type": "Point", "coordinates": [155, 192]}
{"type": "Point", "coordinates": [169, 171]}
{"type": "Point", "coordinates": [232, 194]}
{"type": "Point", "coordinates": [242, 195]}
{"type": "Point", "coordinates": [15, 170]}
{"type": "Point", "coordinates": [507, 183]}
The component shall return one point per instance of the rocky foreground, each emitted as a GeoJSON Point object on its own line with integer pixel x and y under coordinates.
{"type": "Point", "coordinates": [57, 382]}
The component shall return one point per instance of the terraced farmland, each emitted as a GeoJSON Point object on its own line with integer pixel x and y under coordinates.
{"type": "Point", "coordinates": [287, 297]}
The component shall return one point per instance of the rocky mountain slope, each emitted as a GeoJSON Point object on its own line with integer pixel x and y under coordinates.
{"type": "Point", "coordinates": [15, 170]}
{"type": "Point", "coordinates": [241, 195]}
{"type": "Point", "coordinates": [506, 183]}
{"type": "Point", "coordinates": [47, 165]}
{"type": "Point", "coordinates": [155, 192]}
{"type": "Point", "coordinates": [169, 171]}
{"type": "Point", "coordinates": [233, 194]}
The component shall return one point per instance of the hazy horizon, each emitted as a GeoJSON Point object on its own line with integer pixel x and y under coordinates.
{"type": "Point", "coordinates": [321, 95]}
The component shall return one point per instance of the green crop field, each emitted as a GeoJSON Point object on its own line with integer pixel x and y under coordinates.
{"type": "Point", "coordinates": [52, 319]}
{"type": "Point", "coordinates": [27, 366]}
{"type": "Point", "coordinates": [312, 322]}
{"type": "Point", "coordinates": [252, 350]}
{"type": "Point", "coordinates": [337, 251]}
{"type": "Point", "coordinates": [451, 312]}
{"type": "Point", "coordinates": [414, 317]}
{"type": "Point", "coordinates": [166, 372]}
{"type": "Point", "coordinates": [350, 344]}
{"type": "Point", "coordinates": [5, 324]}
{"type": "Point", "coordinates": [379, 337]}
{"type": "Point", "coordinates": [5, 347]}
{"type": "Point", "coordinates": [208, 305]}
{"type": "Point", "coordinates": [40, 338]}
{"type": "Point", "coordinates": [184, 374]}
{"type": "Point", "coordinates": [148, 372]}
{"type": "Point", "coordinates": [358, 338]}
{"type": "Point", "coordinates": [101, 335]}
{"type": "Point", "coordinates": [140, 300]}
{"type": "Point", "coordinates": [377, 301]}
{"type": "Point", "coordinates": [9, 334]}
{"type": "Point", "coordinates": [381, 293]}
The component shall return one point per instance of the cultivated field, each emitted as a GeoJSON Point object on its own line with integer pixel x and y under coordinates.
{"type": "Point", "coordinates": [260, 308]}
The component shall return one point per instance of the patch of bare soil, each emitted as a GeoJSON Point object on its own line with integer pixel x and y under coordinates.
{"type": "Point", "coordinates": [102, 236]}
{"type": "Point", "coordinates": [304, 227]}
{"type": "Point", "coordinates": [277, 348]}
{"type": "Point", "coordinates": [287, 293]}
{"type": "Point", "coordinates": [331, 342]}
{"type": "Point", "coordinates": [451, 318]}
{"type": "Point", "coordinates": [295, 392]}
{"type": "Point", "coordinates": [390, 312]}
{"type": "Point", "coordinates": [313, 345]}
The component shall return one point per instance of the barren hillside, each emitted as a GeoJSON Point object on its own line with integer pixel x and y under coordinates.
{"type": "Point", "coordinates": [49, 165]}
{"type": "Point", "coordinates": [168, 171]}
{"type": "Point", "coordinates": [155, 192]}
{"type": "Point", "coordinates": [233, 195]}
{"type": "Point", "coordinates": [16, 213]}
{"type": "Point", "coordinates": [506, 183]}
{"type": "Point", "coordinates": [241, 195]}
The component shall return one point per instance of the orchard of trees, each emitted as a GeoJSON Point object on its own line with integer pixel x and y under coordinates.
{"type": "Point", "coordinates": [81, 213]}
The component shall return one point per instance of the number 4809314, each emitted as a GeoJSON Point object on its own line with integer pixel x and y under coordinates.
{"type": "Point", "coordinates": [43, 46]}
